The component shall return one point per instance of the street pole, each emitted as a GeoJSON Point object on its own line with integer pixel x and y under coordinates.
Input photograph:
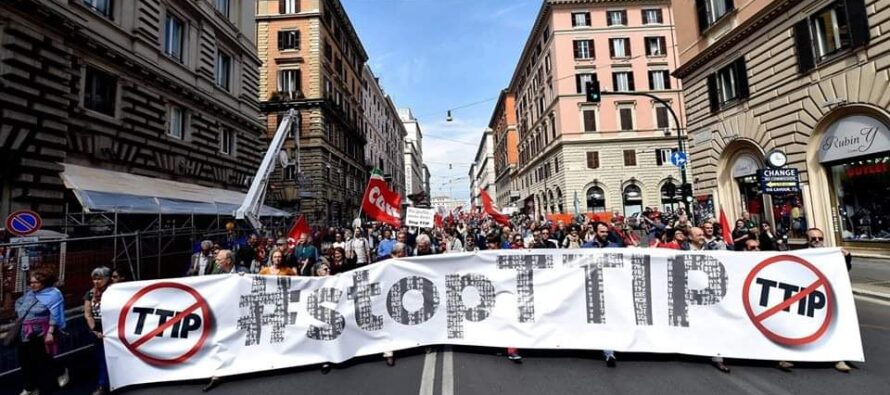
{"type": "Point", "coordinates": [686, 203]}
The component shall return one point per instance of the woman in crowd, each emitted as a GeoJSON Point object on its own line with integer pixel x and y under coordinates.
{"type": "Point", "coordinates": [517, 243]}
{"type": "Point", "coordinates": [338, 262]}
{"type": "Point", "coordinates": [740, 235]}
{"type": "Point", "coordinates": [768, 239]}
{"type": "Point", "coordinates": [42, 309]}
{"type": "Point", "coordinates": [277, 266]}
{"type": "Point", "coordinates": [573, 240]}
{"type": "Point", "coordinates": [92, 312]}
{"type": "Point", "coordinates": [119, 275]}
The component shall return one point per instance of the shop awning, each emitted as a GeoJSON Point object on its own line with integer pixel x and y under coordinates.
{"type": "Point", "coordinates": [100, 190]}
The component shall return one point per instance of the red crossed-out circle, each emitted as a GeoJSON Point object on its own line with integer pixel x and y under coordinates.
{"type": "Point", "coordinates": [758, 319]}
{"type": "Point", "coordinates": [200, 303]}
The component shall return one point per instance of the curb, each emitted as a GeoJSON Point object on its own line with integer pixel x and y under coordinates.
{"type": "Point", "coordinates": [871, 294]}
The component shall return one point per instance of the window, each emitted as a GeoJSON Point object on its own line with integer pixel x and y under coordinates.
{"type": "Point", "coordinates": [583, 49]}
{"type": "Point", "coordinates": [623, 81]}
{"type": "Point", "coordinates": [663, 156]}
{"type": "Point", "coordinates": [593, 159]}
{"type": "Point", "coordinates": [589, 116]}
{"type": "Point", "coordinates": [100, 91]}
{"type": "Point", "coordinates": [655, 46]}
{"type": "Point", "coordinates": [728, 85]}
{"type": "Point", "coordinates": [630, 157]}
{"type": "Point", "coordinates": [328, 52]}
{"type": "Point", "coordinates": [710, 11]}
{"type": "Point", "coordinates": [173, 37]}
{"type": "Point", "coordinates": [619, 47]}
{"type": "Point", "coordinates": [652, 16]}
{"type": "Point", "coordinates": [176, 122]}
{"type": "Point", "coordinates": [227, 141]}
{"type": "Point", "coordinates": [661, 117]}
{"type": "Point", "coordinates": [288, 39]}
{"type": "Point", "coordinates": [580, 19]}
{"type": "Point", "coordinates": [581, 80]}
{"type": "Point", "coordinates": [840, 26]}
{"type": "Point", "coordinates": [547, 64]}
{"type": "Point", "coordinates": [223, 69]}
{"type": "Point", "coordinates": [288, 6]}
{"type": "Point", "coordinates": [626, 117]}
{"type": "Point", "coordinates": [103, 7]}
{"type": "Point", "coordinates": [596, 199]}
{"type": "Point", "coordinates": [616, 18]}
{"type": "Point", "coordinates": [288, 84]}
{"type": "Point", "coordinates": [223, 7]}
{"type": "Point", "coordinates": [659, 80]}
{"type": "Point", "coordinates": [555, 165]}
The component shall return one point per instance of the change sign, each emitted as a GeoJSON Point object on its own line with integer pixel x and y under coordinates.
{"type": "Point", "coordinates": [779, 181]}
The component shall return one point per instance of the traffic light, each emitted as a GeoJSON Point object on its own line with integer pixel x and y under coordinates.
{"type": "Point", "coordinates": [687, 191]}
{"type": "Point", "coordinates": [593, 91]}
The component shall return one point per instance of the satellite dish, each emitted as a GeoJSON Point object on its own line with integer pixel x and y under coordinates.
{"type": "Point", "coordinates": [283, 159]}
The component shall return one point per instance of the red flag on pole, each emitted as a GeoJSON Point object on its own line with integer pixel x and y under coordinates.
{"type": "Point", "coordinates": [300, 227]}
{"type": "Point", "coordinates": [489, 209]}
{"type": "Point", "coordinates": [381, 203]}
{"type": "Point", "coordinates": [724, 226]}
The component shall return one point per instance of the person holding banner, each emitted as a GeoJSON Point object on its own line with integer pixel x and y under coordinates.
{"type": "Point", "coordinates": [601, 240]}
{"type": "Point", "coordinates": [92, 313]}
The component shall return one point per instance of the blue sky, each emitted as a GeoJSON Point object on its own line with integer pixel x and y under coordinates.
{"type": "Point", "coordinates": [434, 55]}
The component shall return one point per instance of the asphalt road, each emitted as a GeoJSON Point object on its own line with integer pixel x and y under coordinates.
{"type": "Point", "coordinates": [446, 371]}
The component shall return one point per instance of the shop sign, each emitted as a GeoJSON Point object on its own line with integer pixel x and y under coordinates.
{"type": "Point", "coordinates": [852, 137]}
{"type": "Point", "coordinates": [779, 181]}
{"type": "Point", "coordinates": [867, 169]}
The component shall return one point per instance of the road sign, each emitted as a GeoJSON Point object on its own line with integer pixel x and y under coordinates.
{"type": "Point", "coordinates": [157, 308]}
{"type": "Point", "coordinates": [786, 313]}
{"type": "Point", "coordinates": [679, 159]}
{"type": "Point", "coordinates": [779, 181]}
{"type": "Point", "coordinates": [23, 222]}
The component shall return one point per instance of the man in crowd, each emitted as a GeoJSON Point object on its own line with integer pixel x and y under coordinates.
{"type": "Point", "coordinates": [402, 237]}
{"type": "Point", "coordinates": [424, 245]}
{"type": "Point", "coordinates": [358, 248]}
{"type": "Point", "coordinates": [246, 255]}
{"type": "Point", "coordinates": [384, 247]}
{"type": "Point", "coordinates": [601, 240]}
{"type": "Point", "coordinates": [546, 240]}
{"type": "Point", "coordinates": [225, 263]}
{"type": "Point", "coordinates": [304, 251]}
{"type": "Point", "coordinates": [202, 261]}
{"type": "Point", "coordinates": [712, 241]}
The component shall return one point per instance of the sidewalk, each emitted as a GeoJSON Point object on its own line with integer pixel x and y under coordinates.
{"type": "Point", "coordinates": [871, 277]}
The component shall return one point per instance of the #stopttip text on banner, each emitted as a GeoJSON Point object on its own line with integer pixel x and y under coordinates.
{"type": "Point", "coordinates": [791, 306]}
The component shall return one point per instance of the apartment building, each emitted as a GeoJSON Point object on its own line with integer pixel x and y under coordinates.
{"type": "Point", "coordinates": [416, 177]}
{"type": "Point", "coordinates": [506, 149]}
{"type": "Point", "coordinates": [792, 85]}
{"type": "Point", "coordinates": [609, 156]}
{"type": "Point", "coordinates": [482, 171]}
{"type": "Point", "coordinates": [384, 132]}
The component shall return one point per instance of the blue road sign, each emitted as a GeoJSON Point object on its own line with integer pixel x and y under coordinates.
{"type": "Point", "coordinates": [23, 222]}
{"type": "Point", "coordinates": [679, 159]}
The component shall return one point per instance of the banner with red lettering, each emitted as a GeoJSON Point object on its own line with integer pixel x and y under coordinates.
{"type": "Point", "coordinates": [381, 203]}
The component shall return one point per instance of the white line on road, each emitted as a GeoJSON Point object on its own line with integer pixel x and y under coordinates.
{"type": "Point", "coordinates": [428, 379]}
{"type": "Point", "coordinates": [447, 371]}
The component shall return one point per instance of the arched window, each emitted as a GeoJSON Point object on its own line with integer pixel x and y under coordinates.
{"type": "Point", "coordinates": [552, 202]}
{"type": "Point", "coordinates": [670, 197]}
{"type": "Point", "coordinates": [560, 201]}
{"type": "Point", "coordinates": [596, 199]}
{"type": "Point", "coordinates": [633, 200]}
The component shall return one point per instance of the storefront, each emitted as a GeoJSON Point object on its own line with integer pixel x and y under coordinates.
{"type": "Point", "coordinates": [633, 200]}
{"type": "Point", "coordinates": [854, 153]}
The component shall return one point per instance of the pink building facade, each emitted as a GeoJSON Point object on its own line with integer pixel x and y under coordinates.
{"type": "Point", "coordinates": [610, 156]}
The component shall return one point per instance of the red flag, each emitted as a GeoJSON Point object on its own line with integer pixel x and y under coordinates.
{"type": "Point", "coordinates": [300, 228]}
{"type": "Point", "coordinates": [381, 203]}
{"type": "Point", "coordinates": [724, 226]}
{"type": "Point", "coordinates": [489, 209]}
{"type": "Point", "coordinates": [438, 218]}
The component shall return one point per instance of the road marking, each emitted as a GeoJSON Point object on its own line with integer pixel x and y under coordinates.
{"type": "Point", "coordinates": [872, 300]}
{"type": "Point", "coordinates": [448, 371]}
{"type": "Point", "coordinates": [428, 379]}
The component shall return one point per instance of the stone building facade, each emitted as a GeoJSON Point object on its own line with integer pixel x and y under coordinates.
{"type": "Point", "coordinates": [506, 151]}
{"type": "Point", "coordinates": [482, 173]}
{"type": "Point", "coordinates": [415, 176]}
{"type": "Point", "coordinates": [610, 156]}
{"type": "Point", "coordinates": [156, 89]}
{"type": "Point", "coordinates": [807, 81]}
{"type": "Point", "coordinates": [384, 132]}
{"type": "Point", "coordinates": [313, 61]}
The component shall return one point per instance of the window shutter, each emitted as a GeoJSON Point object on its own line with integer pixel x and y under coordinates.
{"type": "Point", "coordinates": [712, 93]}
{"type": "Point", "coordinates": [702, 10]}
{"type": "Point", "coordinates": [282, 4]}
{"type": "Point", "coordinates": [661, 117]}
{"type": "Point", "coordinates": [630, 81]}
{"type": "Point", "coordinates": [612, 47]}
{"type": "Point", "coordinates": [574, 20]}
{"type": "Point", "coordinates": [729, 6]}
{"type": "Point", "coordinates": [667, 79]}
{"type": "Point", "coordinates": [575, 47]}
{"type": "Point", "coordinates": [662, 45]}
{"type": "Point", "coordinates": [651, 80]}
{"type": "Point", "coordinates": [643, 17]}
{"type": "Point", "coordinates": [626, 119]}
{"type": "Point", "coordinates": [592, 51]}
{"type": "Point", "coordinates": [658, 158]}
{"type": "Point", "coordinates": [742, 77]}
{"type": "Point", "coordinates": [624, 18]}
{"type": "Point", "coordinates": [578, 86]}
{"type": "Point", "coordinates": [804, 44]}
{"type": "Point", "coordinates": [586, 19]}
{"type": "Point", "coordinates": [659, 16]}
{"type": "Point", "coordinates": [615, 82]}
{"type": "Point", "coordinates": [296, 37]}
{"type": "Point", "coordinates": [589, 121]}
{"type": "Point", "coordinates": [280, 40]}
{"type": "Point", "coordinates": [627, 52]}
{"type": "Point", "coordinates": [857, 19]}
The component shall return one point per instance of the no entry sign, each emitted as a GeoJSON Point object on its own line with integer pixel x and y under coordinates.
{"type": "Point", "coordinates": [160, 324]}
{"type": "Point", "coordinates": [23, 222]}
{"type": "Point", "coordinates": [788, 312]}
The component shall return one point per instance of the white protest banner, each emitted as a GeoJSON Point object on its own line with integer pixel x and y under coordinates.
{"type": "Point", "coordinates": [420, 217]}
{"type": "Point", "coordinates": [795, 306]}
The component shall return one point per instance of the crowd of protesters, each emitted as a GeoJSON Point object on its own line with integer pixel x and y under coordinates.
{"type": "Point", "coordinates": [330, 251]}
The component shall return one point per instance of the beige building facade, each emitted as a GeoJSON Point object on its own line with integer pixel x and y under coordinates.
{"type": "Point", "coordinates": [384, 132]}
{"type": "Point", "coordinates": [608, 156]}
{"type": "Point", "coordinates": [807, 81]}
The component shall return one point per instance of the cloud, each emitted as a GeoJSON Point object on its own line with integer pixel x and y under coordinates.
{"type": "Point", "coordinates": [508, 9]}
